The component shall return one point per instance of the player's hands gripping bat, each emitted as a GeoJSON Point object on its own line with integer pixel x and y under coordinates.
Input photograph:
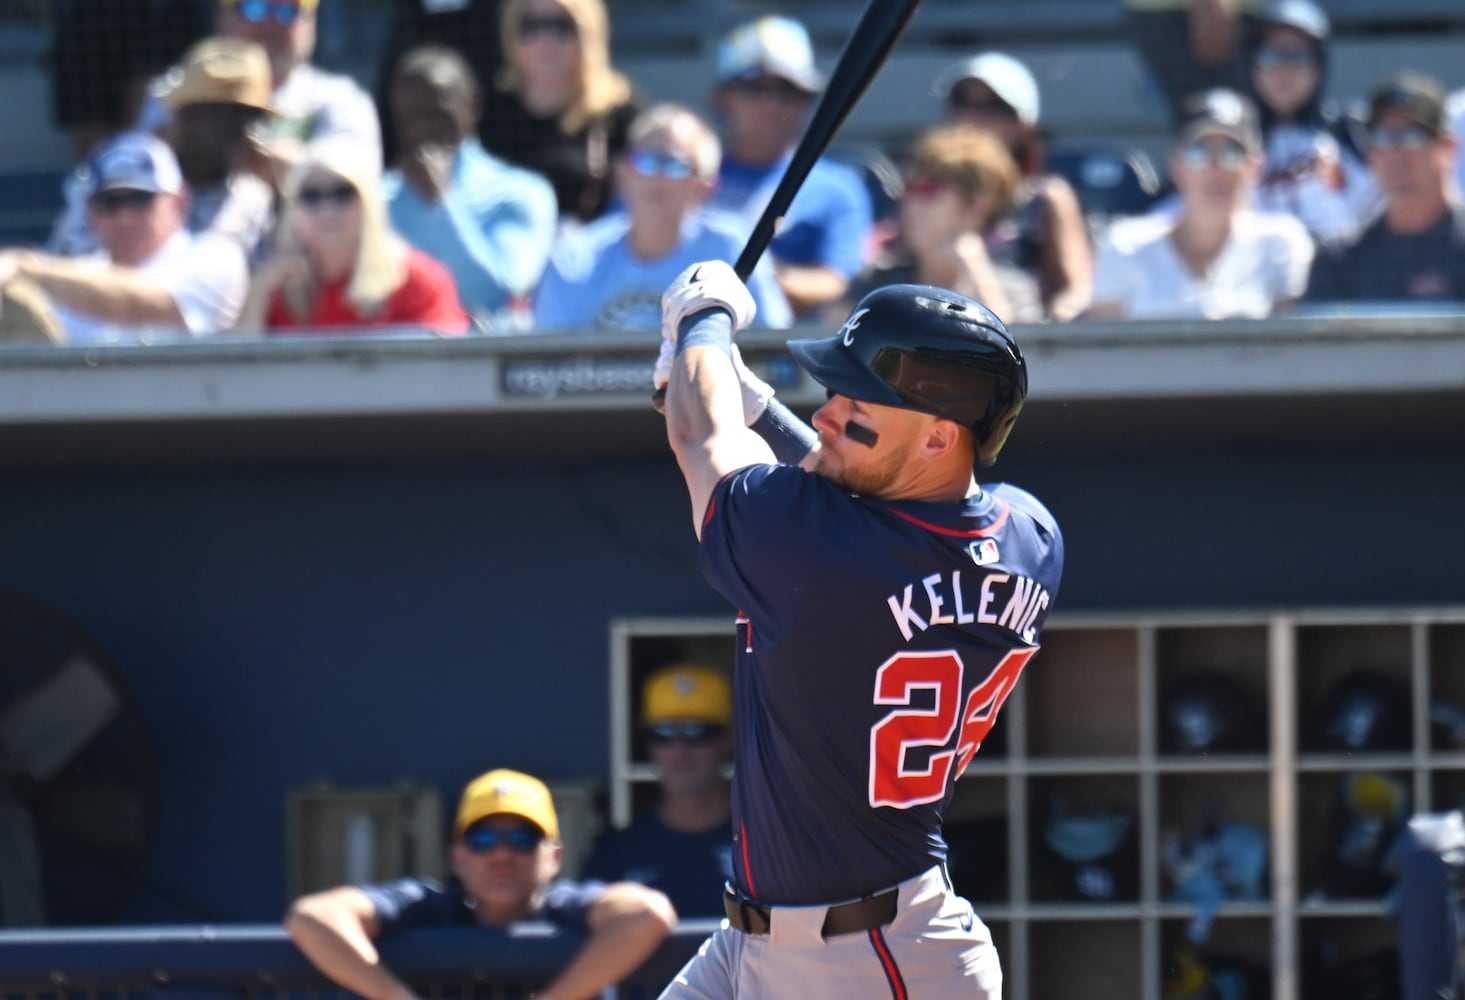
{"type": "Point", "coordinates": [709, 285]}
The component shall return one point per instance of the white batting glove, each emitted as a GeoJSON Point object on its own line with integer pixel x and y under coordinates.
{"type": "Point", "coordinates": [661, 374]}
{"type": "Point", "coordinates": [756, 392]}
{"type": "Point", "coordinates": [712, 284]}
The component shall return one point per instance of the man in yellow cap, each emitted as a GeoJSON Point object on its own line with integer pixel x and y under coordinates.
{"type": "Point", "coordinates": [684, 846]}
{"type": "Point", "coordinates": [505, 857]}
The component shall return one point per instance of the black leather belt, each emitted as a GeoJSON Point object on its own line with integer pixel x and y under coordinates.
{"type": "Point", "coordinates": [752, 917]}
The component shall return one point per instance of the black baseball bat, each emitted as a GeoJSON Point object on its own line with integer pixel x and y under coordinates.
{"type": "Point", "coordinates": [869, 43]}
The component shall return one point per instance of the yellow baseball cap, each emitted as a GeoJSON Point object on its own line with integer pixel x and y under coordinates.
{"type": "Point", "coordinates": [505, 791]}
{"type": "Point", "coordinates": [687, 691]}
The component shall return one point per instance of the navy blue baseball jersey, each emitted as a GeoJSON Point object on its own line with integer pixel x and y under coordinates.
{"type": "Point", "coordinates": [876, 642]}
{"type": "Point", "coordinates": [418, 902]}
{"type": "Point", "coordinates": [690, 868]}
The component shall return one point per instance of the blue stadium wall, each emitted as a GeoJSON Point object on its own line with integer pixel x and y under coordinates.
{"type": "Point", "coordinates": [367, 622]}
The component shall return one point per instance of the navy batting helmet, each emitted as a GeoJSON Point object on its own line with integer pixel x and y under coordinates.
{"type": "Point", "coordinates": [923, 348]}
{"type": "Point", "coordinates": [1365, 710]}
{"type": "Point", "coordinates": [1209, 713]}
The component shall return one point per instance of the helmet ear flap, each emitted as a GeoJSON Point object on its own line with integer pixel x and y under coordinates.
{"type": "Point", "coordinates": [998, 427]}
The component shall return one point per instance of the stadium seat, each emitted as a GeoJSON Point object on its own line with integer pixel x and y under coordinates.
{"type": "Point", "coordinates": [1110, 181]}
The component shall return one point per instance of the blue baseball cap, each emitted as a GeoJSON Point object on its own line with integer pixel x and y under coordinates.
{"type": "Point", "coordinates": [134, 161]}
{"type": "Point", "coordinates": [777, 46]}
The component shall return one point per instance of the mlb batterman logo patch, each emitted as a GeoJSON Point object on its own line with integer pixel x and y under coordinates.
{"type": "Point", "coordinates": [984, 551]}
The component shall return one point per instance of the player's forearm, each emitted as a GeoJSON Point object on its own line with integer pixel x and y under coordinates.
{"type": "Point", "coordinates": [115, 294]}
{"type": "Point", "coordinates": [339, 947]}
{"type": "Point", "coordinates": [704, 409]}
{"type": "Point", "coordinates": [616, 947]}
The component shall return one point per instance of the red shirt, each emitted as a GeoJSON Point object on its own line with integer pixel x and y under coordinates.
{"type": "Point", "coordinates": [427, 297]}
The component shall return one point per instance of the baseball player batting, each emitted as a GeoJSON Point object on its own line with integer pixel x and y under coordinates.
{"type": "Point", "coordinates": [888, 603]}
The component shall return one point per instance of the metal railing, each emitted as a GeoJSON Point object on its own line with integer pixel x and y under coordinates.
{"type": "Point", "coordinates": [259, 960]}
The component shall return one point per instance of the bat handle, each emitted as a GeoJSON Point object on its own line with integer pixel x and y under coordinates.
{"type": "Point", "coordinates": [708, 326]}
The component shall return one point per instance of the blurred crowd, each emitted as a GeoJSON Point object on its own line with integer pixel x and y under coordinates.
{"type": "Point", "coordinates": [510, 179]}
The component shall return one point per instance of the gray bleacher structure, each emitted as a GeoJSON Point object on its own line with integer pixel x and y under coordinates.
{"type": "Point", "coordinates": [1094, 88]}
{"type": "Point", "coordinates": [1095, 91]}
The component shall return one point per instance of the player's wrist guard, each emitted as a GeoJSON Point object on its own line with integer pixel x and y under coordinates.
{"type": "Point", "coordinates": [708, 328]}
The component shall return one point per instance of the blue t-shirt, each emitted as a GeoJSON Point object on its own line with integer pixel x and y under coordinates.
{"type": "Point", "coordinates": [690, 868]}
{"type": "Point", "coordinates": [594, 280]}
{"type": "Point", "coordinates": [493, 228]}
{"type": "Point", "coordinates": [416, 902]}
{"type": "Point", "coordinates": [876, 642]}
{"type": "Point", "coordinates": [827, 224]}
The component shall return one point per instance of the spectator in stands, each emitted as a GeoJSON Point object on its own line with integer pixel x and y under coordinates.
{"type": "Point", "coordinates": [1455, 108]}
{"type": "Point", "coordinates": [960, 183]}
{"type": "Point", "coordinates": [312, 105]}
{"type": "Point", "coordinates": [766, 85]}
{"type": "Point", "coordinates": [1190, 46]}
{"type": "Point", "coordinates": [559, 107]}
{"type": "Point", "coordinates": [490, 223]}
{"type": "Point", "coordinates": [1415, 249]}
{"type": "Point", "coordinates": [1311, 170]}
{"type": "Point", "coordinates": [995, 92]}
{"type": "Point", "coordinates": [683, 847]}
{"type": "Point", "coordinates": [1215, 257]}
{"type": "Point", "coordinates": [469, 27]}
{"type": "Point", "coordinates": [103, 53]}
{"type": "Point", "coordinates": [224, 89]}
{"type": "Point", "coordinates": [611, 273]}
{"type": "Point", "coordinates": [152, 276]}
{"type": "Point", "coordinates": [338, 265]}
{"type": "Point", "coordinates": [505, 858]}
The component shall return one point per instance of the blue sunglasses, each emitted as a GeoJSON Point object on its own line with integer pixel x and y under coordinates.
{"type": "Point", "coordinates": [258, 11]}
{"type": "Point", "coordinates": [648, 163]}
{"type": "Point", "coordinates": [519, 839]}
{"type": "Point", "coordinates": [690, 732]}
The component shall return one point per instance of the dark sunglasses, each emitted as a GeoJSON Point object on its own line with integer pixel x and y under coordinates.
{"type": "Point", "coordinates": [112, 202]}
{"type": "Point", "coordinates": [340, 195]}
{"type": "Point", "coordinates": [259, 11]}
{"type": "Point", "coordinates": [1268, 57]}
{"type": "Point", "coordinates": [688, 732]}
{"type": "Point", "coordinates": [925, 187]}
{"type": "Point", "coordinates": [519, 839]}
{"type": "Point", "coordinates": [770, 86]}
{"type": "Point", "coordinates": [1221, 153]}
{"type": "Point", "coordinates": [981, 105]}
{"type": "Point", "coordinates": [1410, 138]}
{"type": "Point", "coordinates": [649, 163]}
{"type": "Point", "coordinates": [563, 28]}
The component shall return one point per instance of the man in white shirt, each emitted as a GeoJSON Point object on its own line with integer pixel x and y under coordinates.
{"type": "Point", "coordinates": [221, 95]}
{"type": "Point", "coordinates": [152, 276]}
{"type": "Point", "coordinates": [1213, 257]}
{"type": "Point", "coordinates": [311, 104]}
